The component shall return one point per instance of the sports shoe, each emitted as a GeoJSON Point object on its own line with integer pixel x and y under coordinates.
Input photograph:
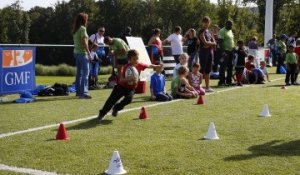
{"type": "Point", "coordinates": [114, 112]}
{"type": "Point", "coordinates": [85, 97]}
{"type": "Point", "coordinates": [100, 117]}
{"type": "Point", "coordinates": [209, 90]}
{"type": "Point", "coordinates": [295, 83]}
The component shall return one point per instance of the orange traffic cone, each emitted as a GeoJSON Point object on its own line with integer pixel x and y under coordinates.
{"type": "Point", "coordinates": [200, 100]}
{"type": "Point", "coordinates": [143, 114]}
{"type": "Point", "coordinates": [62, 133]}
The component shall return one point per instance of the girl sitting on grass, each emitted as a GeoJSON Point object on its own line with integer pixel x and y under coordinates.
{"type": "Point", "coordinates": [180, 85]}
{"type": "Point", "coordinates": [183, 59]}
{"type": "Point", "coordinates": [195, 79]}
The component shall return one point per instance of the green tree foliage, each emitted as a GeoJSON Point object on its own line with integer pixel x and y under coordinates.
{"type": "Point", "coordinates": [53, 25]}
{"type": "Point", "coordinates": [289, 21]}
{"type": "Point", "coordinates": [15, 24]}
{"type": "Point", "coordinates": [278, 14]}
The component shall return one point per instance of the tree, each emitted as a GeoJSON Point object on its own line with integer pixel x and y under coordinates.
{"type": "Point", "coordinates": [15, 24]}
{"type": "Point", "coordinates": [277, 7]}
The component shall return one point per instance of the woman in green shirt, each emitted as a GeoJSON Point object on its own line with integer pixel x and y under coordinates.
{"type": "Point", "coordinates": [82, 55]}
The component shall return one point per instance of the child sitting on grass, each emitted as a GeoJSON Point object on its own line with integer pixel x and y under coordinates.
{"type": "Point", "coordinates": [157, 85]}
{"type": "Point", "coordinates": [181, 87]}
{"type": "Point", "coordinates": [195, 79]}
{"type": "Point", "coordinates": [257, 76]}
{"type": "Point", "coordinates": [183, 59]}
{"type": "Point", "coordinates": [263, 67]}
{"type": "Point", "coordinates": [248, 72]}
{"type": "Point", "coordinates": [249, 65]}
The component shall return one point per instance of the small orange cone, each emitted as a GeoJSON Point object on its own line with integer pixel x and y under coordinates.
{"type": "Point", "coordinates": [143, 114]}
{"type": "Point", "coordinates": [200, 100]}
{"type": "Point", "coordinates": [62, 133]}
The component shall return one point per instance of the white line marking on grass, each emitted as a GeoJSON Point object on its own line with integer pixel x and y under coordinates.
{"type": "Point", "coordinates": [25, 170]}
{"type": "Point", "coordinates": [123, 111]}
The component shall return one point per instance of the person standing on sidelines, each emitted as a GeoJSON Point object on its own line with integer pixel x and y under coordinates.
{"type": "Point", "coordinates": [176, 43]}
{"type": "Point", "coordinates": [119, 49]}
{"type": "Point", "coordinates": [206, 51]}
{"type": "Point", "coordinates": [226, 43]}
{"type": "Point", "coordinates": [97, 40]}
{"type": "Point", "coordinates": [272, 43]}
{"type": "Point", "coordinates": [155, 42]}
{"type": "Point", "coordinates": [253, 50]}
{"type": "Point", "coordinates": [192, 45]}
{"type": "Point", "coordinates": [82, 55]}
{"type": "Point", "coordinates": [282, 48]}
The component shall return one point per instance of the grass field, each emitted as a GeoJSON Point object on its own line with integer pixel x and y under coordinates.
{"type": "Point", "coordinates": [170, 142]}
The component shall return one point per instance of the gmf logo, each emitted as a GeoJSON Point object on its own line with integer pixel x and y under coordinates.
{"type": "Point", "coordinates": [16, 58]}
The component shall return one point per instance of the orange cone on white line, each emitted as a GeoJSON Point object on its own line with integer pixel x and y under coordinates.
{"type": "Point", "coordinates": [211, 133]}
{"type": "Point", "coordinates": [115, 165]}
{"type": "Point", "coordinates": [265, 112]}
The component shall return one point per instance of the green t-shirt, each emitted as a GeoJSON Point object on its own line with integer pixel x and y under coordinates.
{"type": "Point", "coordinates": [228, 38]}
{"type": "Point", "coordinates": [282, 47]}
{"type": "Point", "coordinates": [291, 58]}
{"type": "Point", "coordinates": [119, 44]}
{"type": "Point", "coordinates": [78, 47]}
{"type": "Point", "coordinates": [174, 85]}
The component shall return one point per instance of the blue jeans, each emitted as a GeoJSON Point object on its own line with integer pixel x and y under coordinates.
{"type": "Point", "coordinates": [94, 68]}
{"type": "Point", "coordinates": [82, 74]}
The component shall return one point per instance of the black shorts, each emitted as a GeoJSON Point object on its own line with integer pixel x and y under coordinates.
{"type": "Point", "coordinates": [205, 58]}
{"type": "Point", "coordinates": [122, 61]}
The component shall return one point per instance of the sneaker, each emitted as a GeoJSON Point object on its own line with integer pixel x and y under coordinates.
{"type": "Point", "coordinates": [85, 97]}
{"type": "Point", "coordinates": [100, 117]}
{"type": "Point", "coordinates": [295, 83]}
{"type": "Point", "coordinates": [209, 90]}
{"type": "Point", "coordinates": [287, 84]}
{"type": "Point", "coordinates": [114, 112]}
{"type": "Point", "coordinates": [239, 84]}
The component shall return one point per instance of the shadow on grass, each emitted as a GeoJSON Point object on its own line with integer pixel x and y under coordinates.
{"type": "Point", "coordinates": [89, 124]}
{"type": "Point", "coordinates": [275, 85]}
{"type": "Point", "coordinates": [272, 148]}
{"type": "Point", "coordinates": [55, 98]}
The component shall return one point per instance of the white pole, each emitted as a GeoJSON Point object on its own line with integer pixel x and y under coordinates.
{"type": "Point", "coordinates": [268, 21]}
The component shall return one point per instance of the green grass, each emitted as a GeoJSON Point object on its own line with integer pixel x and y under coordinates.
{"type": "Point", "coordinates": [170, 142]}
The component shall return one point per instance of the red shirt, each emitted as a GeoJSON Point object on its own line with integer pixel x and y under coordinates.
{"type": "Point", "coordinates": [158, 43]}
{"type": "Point", "coordinates": [297, 51]}
{"type": "Point", "coordinates": [140, 67]}
{"type": "Point", "coordinates": [249, 65]}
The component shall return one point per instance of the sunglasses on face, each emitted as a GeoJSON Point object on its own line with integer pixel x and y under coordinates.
{"type": "Point", "coordinates": [101, 31]}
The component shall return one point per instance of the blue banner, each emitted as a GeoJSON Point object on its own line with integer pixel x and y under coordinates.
{"type": "Point", "coordinates": [17, 69]}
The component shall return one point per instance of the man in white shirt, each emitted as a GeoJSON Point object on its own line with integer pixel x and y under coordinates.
{"type": "Point", "coordinates": [98, 38]}
{"type": "Point", "coordinates": [176, 43]}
